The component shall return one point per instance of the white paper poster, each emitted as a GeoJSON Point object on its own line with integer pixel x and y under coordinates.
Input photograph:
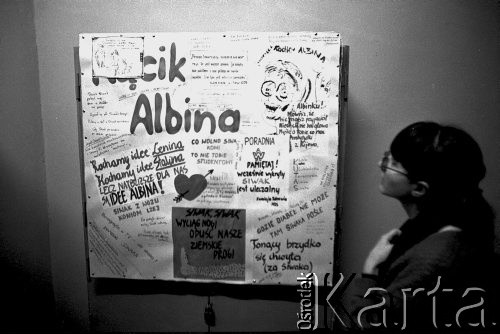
{"type": "Point", "coordinates": [210, 157]}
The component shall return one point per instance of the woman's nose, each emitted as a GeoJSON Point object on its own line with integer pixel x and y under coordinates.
{"type": "Point", "coordinates": [382, 166]}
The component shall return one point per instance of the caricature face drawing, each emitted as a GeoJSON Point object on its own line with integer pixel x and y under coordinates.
{"type": "Point", "coordinates": [280, 89]}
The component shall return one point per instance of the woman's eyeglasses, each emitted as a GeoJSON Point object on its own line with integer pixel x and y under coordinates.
{"type": "Point", "coordinates": [384, 163]}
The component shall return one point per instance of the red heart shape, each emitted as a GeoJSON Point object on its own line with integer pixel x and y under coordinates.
{"type": "Point", "coordinates": [190, 188]}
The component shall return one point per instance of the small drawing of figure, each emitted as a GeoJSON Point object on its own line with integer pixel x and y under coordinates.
{"type": "Point", "coordinates": [322, 88]}
{"type": "Point", "coordinates": [100, 56]}
{"type": "Point", "coordinates": [119, 64]}
{"type": "Point", "coordinates": [123, 67]}
{"type": "Point", "coordinates": [115, 58]}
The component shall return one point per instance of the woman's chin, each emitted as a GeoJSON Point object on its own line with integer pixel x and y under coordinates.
{"type": "Point", "coordinates": [383, 191]}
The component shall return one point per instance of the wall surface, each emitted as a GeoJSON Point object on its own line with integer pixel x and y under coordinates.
{"type": "Point", "coordinates": [409, 61]}
{"type": "Point", "coordinates": [24, 238]}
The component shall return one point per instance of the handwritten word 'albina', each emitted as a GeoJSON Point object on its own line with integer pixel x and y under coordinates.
{"type": "Point", "coordinates": [172, 117]}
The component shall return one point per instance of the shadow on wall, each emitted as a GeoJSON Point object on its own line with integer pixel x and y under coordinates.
{"type": "Point", "coordinates": [28, 302]}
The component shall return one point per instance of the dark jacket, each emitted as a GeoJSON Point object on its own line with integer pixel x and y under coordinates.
{"type": "Point", "coordinates": [435, 280]}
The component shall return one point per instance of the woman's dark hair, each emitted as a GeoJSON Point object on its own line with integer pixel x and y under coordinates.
{"type": "Point", "coordinates": [451, 162]}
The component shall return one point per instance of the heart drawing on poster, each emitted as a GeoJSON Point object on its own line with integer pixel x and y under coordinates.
{"type": "Point", "coordinates": [190, 188]}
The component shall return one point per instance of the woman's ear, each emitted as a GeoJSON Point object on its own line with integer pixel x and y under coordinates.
{"type": "Point", "coordinates": [420, 189]}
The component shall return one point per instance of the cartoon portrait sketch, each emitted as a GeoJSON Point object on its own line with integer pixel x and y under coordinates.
{"type": "Point", "coordinates": [287, 92]}
{"type": "Point", "coordinates": [283, 87]}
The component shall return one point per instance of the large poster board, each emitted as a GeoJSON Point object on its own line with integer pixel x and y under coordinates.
{"type": "Point", "coordinates": [210, 157]}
